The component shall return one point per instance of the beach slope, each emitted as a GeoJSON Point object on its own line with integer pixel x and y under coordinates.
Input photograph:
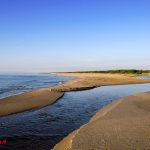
{"type": "Point", "coordinates": [28, 101]}
{"type": "Point", "coordinates": [122, 125]}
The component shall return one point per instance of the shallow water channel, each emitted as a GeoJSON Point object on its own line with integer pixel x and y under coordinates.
{"type": "Point", "coordinates": [42, 129]}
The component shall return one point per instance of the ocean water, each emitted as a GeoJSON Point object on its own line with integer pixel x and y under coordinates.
{"type": "Point", "coordinates": [16, 84]}
{"type": "Point", "coordinates": [41, 129]}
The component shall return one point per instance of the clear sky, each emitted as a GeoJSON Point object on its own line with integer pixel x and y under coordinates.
{"type": "Point", "coordinates": [68, 35]}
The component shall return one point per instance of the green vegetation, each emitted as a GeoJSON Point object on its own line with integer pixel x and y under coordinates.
{"type": "Point", "coordinates": [123, 71]}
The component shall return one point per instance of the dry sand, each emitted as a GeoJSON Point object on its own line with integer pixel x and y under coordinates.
{"type": "Point", "coordinates": [122, 125]}
{"type": "Point", "coordinates": [28, 101]}
{"type": "Point", "coordinates": [84, 81]}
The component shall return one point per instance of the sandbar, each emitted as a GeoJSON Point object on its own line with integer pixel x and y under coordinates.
{"type": "Point", "coordinates": [122, 125]}
{"type": "Point", "coordinates": [85, 81]}
{"type": "Point", "coordinates": [46, 96]}
{"type": "Point", "coordinates": [28, 101]}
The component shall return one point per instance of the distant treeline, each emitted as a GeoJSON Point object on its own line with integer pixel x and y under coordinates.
{"type": "Point", "coordinates": [123, 71]}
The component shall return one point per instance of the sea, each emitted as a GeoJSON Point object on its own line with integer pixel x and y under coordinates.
{"type": "Point", "coordinates": [20, 83]}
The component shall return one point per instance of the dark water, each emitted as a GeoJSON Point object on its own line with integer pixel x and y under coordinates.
{"type": "Point", "coordinates": [43, 128]}
{"type": "Point", "coordinates": [15, 84]}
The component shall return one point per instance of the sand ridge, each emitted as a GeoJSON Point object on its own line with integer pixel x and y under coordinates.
{"type": "Point", "coordinates": [85, 81]}
{"type": "Point", "coordinates": [28, 101]}
{"type": "Point", "coordinates": [124, 124]}
{"type": "Point", "coordinates": [46, 96]}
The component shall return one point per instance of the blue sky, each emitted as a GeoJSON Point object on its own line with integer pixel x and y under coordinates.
{"type": "Point", "coordinates": [68, 35]}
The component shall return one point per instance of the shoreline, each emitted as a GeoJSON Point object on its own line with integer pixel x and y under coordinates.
{"type": "Point", "coordinates": [45, 96]}
{"type": "Point", "coordinates": [87, 81]}
{"type": "Point", "coordinates": [123, 124]}
{"type": "Point", "coordinates": [28, 101]}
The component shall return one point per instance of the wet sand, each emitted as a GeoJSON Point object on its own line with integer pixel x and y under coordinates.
{"type": "Point", "coordinates": [122, 125]}
{"type": "Point", "coordinates": [46, 96]}
{"type": "Point", "coordinates": [28, 101]}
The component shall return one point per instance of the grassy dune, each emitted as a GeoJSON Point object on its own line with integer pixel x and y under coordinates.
{"type": "Point", "coordinates": [121, 71]}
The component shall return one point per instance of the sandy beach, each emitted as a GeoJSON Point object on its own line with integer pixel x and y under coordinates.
{"type": "Point", "coordinates": [28, 101]}
{"type": "Point", "coordinates": [122, 125]}
{"type": "Point", "coordinates": [46, 96]}
{"type": "Point", "coordinates": [66, 67]}
{"type": "Point", "coordinates": [85, 81]}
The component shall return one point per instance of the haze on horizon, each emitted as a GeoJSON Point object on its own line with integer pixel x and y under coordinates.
{"type": "Point", "coordinates": [64, 35]}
